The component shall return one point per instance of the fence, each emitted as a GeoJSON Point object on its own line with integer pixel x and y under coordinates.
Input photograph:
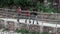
{"type": "Point", "coordinates": [44, 17]}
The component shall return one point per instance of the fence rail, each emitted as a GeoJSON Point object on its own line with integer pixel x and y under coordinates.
{"type": "Point", "coordinates": [48, 17]}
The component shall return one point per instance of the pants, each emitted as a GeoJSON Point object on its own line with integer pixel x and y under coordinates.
{"type": "Point", "coordinates": [28, 17]}
{"type": "Point", "coordinates": [18, 17]}
{"type": "Point", "coordinates": [35, 18]}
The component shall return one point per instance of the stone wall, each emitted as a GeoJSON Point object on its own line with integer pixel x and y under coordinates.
{"type": "Point", "coordinates": [33, 28]}
{"type": "Point", "coordinates": [10, 25]}
{"type": "Point", "coordinates": [30, 28]}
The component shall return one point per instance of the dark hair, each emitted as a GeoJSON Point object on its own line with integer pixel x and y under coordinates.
{"type": "Point", "coordinates": [27, 8]}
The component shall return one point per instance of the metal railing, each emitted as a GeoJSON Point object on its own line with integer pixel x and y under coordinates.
{"type": "Point", "coordinates": [11, 13]}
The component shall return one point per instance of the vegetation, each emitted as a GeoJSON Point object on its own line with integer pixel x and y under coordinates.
{"type": "Point", "coordinates": [28, 3]}
{"type": "Point", "coordinates": [21, 31]}
{"type": "Point", "coordinates": [44, 33]}
{"type": "Point", "coordinates": [22, 3]}
{"type": "Point", "coordinates": [5, 29]}
{"type": "Point", "coordinates": [25, 31]}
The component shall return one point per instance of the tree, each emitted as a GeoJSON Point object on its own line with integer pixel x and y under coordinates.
{"type": "Point", "coordinates": [22, 3]}
{"type": "Point", "coordinates": [40, 6]}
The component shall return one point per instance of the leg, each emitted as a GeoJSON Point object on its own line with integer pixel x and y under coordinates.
{"type": "Point", "coordinates": [18, 17]}
{"type": "Point", "coordinates": [33, 18]}
{"type": "Point", "coordinates": [29, 19]}
{"type": "Point", "coordinates": [33, 21]}
{"type": "Point", "coordinates": [26, 20]}
{"type": "Point", "coordinates": [37, 19]}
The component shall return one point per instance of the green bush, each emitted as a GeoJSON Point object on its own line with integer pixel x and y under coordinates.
{"type": "Point", "coordinates": [44, 33]}
{"type": "Point", "coordinates": [22, 3]}
{"type": "Point", "coordinates": [40, 6]}
{"type": "Point", "coordinates": [17, 30]}
{"type": "Point", "coordinates": [29, 3]}
{"type": "Point", "coordinates": [33, 33]}
{"type": "Point", "coordinates": [21, 31]}
{"type": "Point", "coordinates": [5, 29]}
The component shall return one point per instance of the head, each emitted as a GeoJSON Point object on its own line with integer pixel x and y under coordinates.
{"type": "Point", "coordinates": [34, 9]}
{"type": "Point", "coordinates": [27, 8]}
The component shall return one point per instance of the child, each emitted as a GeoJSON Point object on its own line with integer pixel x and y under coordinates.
{"type": "Point", "coordinates": [19, 13]}
{"type": "Point", "coordinates": [35, 17]}
{"type": "Point", "coordinates": [27, 15]}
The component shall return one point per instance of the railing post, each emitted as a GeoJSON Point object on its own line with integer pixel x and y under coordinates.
{"type": "Point", "coordinates": [5, 22]}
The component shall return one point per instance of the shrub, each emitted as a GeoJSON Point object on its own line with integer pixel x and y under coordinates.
{"type": "Point", "coordinates": [5, 29]}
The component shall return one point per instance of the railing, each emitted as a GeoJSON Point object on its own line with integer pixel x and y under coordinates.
{"type": "Point", "coordinates": [11, 13]}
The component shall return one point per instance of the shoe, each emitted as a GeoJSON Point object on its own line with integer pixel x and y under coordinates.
{"type": "Point", "coordinates": [29, 21]}
{"type": "Point", "coordinates": [37, 23]}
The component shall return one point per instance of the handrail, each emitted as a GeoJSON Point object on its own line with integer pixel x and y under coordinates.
{"type": "Point", "coordinates": [25, 11]}
{"type": "Point", "coordinates": [39, 14]}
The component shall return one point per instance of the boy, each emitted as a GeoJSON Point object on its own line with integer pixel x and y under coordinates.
{"type": "Point", "coordinates": [35, 17]}
{"type": "Point", "coordinates": [19, 13]}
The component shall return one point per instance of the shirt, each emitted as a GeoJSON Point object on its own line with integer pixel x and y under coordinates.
{"type": "Point", "coordinates": [34, 13]}
{"type": "Point", "coordinates": [19, 11]}
{"type": "Point", "coordinates": [27, 13]}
